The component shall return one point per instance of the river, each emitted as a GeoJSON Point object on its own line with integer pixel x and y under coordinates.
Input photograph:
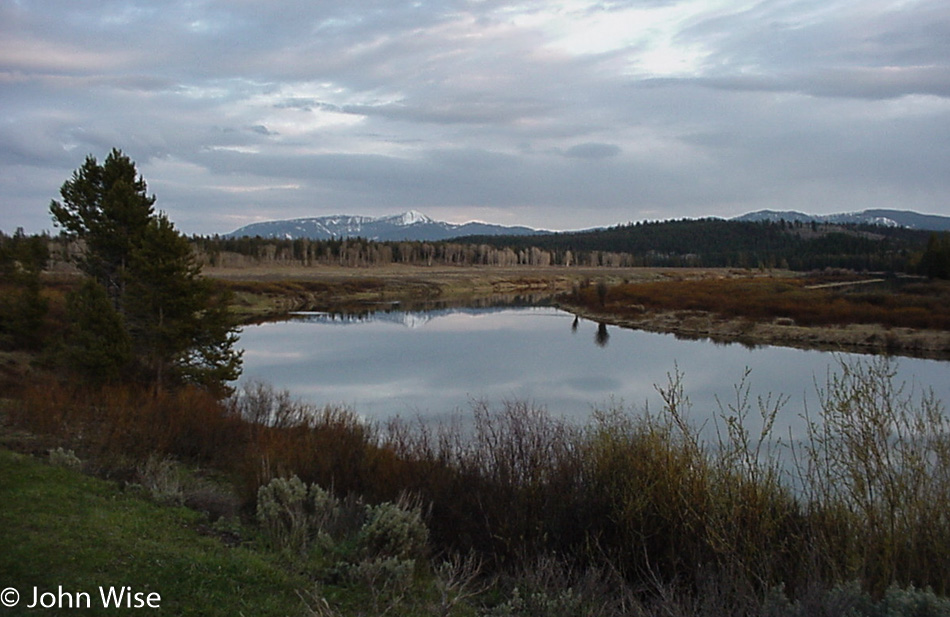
{"type": "Point", "coordinates": [435, 364]}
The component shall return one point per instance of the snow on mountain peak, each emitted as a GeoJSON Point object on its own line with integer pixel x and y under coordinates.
{"type": "Point", "coordinates": [412, 217]}
{"type": "Point", "coordinates": [410, 225]}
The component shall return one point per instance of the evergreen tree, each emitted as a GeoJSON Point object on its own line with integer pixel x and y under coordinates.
{"type": "Point", "coordinates": [107, 208]}
{"type": "Point", "coordinates": [177, 324]}
{"type": "Point", "coordinates": [935, 262]}
{"type": "Point", "coordinates": [22, 307]}
{"type": "Point", "coordinates": [97, 345]}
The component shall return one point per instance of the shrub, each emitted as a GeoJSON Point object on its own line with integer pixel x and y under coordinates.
{"type": "Point", "coordinates": [298, 518]}
{"type": "Point", "coordinates": [911, 602]}
{"type": "Point", "coordinates": [386, 578]}
{"type": "Point", "coordinates": [851, 601]}
{"type": "Point", "coordinates": [540, 603]}
{"type": "Point", "coordinates": [64, 458]}
{"type": "Point", "coordinates": [551, 587]}
{"type": "Point", "coordinates": [287, 521]}
{"type": "Point", "coordinates": [881, 453]}
{"type": "Point", "coordinates": [162, 479]}
{"type": "Point", "coordinates": [393, 530]}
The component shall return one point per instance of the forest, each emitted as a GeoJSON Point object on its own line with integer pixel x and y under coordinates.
{"type": "Point", "coordinates": [711, 243]}
{"type": "Point", "coordinates": [687, 242]}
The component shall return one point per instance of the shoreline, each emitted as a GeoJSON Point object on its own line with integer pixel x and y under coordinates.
{"type": "Point", "coordinates": [281, 290]}
{"type": "Point", "coordinates": [853, 338]}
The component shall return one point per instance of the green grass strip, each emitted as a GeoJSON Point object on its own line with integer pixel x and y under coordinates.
{"type": "Point", "coordinates": [60, 529]}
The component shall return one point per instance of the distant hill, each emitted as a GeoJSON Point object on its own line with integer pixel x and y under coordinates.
{"type": "Point", "coordinates": [716, 242]}
{"type": "Point", "coordinates": [410, 226]}
{"type": "Point", "coordinates": [886, 218]}
{"type": "Point", "coordinates": [712, 242]}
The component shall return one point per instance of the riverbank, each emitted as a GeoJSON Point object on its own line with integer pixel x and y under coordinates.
{"type": "Point", "coordinates": [840, 312]}
{"type": "Point", "coordinates": [267, 292]}
{"type": "Point", "coordinates": [262, 293]}
{"type": "Point", "coordinates": [852, 338]}
{"type": "Point", "coordinates": [522, 487]}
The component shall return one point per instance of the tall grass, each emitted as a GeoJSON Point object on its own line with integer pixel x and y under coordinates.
{"type": "Point", "coordinates": [642, 496]}
{"type": "Point", "coordinates": [122, 426]}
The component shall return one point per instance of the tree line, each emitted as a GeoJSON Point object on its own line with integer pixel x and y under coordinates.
{"type": "Point", "coordinates": [22, 305]}
{"type": "Point", "coordinates": [683, 243]}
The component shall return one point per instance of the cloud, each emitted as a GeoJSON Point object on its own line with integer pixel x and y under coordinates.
{"type": "Point", "coordinates": [593, 151]}
{"type": "Point", "coordinates": [492, 110]}
{"type": "Point", "coordinates": [886, 82]}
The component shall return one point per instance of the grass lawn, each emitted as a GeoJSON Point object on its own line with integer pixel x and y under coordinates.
{"type": "Point", "coordinates": [61, 528]}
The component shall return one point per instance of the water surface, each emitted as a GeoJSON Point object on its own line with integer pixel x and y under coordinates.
{"type": "Point", "coordinates": [436, 363]}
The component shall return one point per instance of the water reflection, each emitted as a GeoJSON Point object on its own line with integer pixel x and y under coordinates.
{"type": "Point", "coordinates": [409, 319]}
{"type": "Point", "coordinates": [438, 362]}
{"type": "Point", "coordinates": [490, 301]}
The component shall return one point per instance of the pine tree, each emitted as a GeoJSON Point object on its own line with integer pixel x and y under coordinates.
{"type": "Point", "coordinates": [107, 208]}
{"type": "Point", "coordinates": [935, 262]}
{"type": "Point", "coordinates": [179, 324]}
{"type": "Point", "coordinates": [176, 322]}
{"type": "Point", "coordinates": [23, 309]}
{"type": "Point", "coordinates": [97, 345]}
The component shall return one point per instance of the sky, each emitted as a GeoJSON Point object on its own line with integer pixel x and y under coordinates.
{"type": "Point", "coordinates": [556, 114]}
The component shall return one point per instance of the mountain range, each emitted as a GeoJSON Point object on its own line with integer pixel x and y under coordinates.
{"type": "Point", "coordinates": [415, 226]}
{"type": "Point", "coordinates": [411, 225]}
{"type": "Point", "coordinates": [887, 218]}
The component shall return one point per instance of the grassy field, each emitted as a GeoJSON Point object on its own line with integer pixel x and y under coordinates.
{"type": "Point", "coordinates": [904, 316]}
{"type": "Point", "coordinates": [270, 290]}
{"type": "Point", "coordinates": [807, 301]}
{"type": "Point", "coordinates": [65, 529]}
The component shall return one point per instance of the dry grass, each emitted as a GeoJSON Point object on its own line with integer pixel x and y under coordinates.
{"type": "Point", "coordinates": [920, 305]}
{"type": "Point", "coordinates": [263, 291]}
{"type": "Point", "coordinates": [904, 317]}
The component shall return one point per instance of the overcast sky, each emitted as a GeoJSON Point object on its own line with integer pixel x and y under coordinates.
{"type": "Point", "coordinates": [554, 114]}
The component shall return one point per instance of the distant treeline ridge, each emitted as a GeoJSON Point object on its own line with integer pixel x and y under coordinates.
{"type": "Point", "coordinates": [684, 243]}
{"type": "Point", "coordinates": [695, 243]}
